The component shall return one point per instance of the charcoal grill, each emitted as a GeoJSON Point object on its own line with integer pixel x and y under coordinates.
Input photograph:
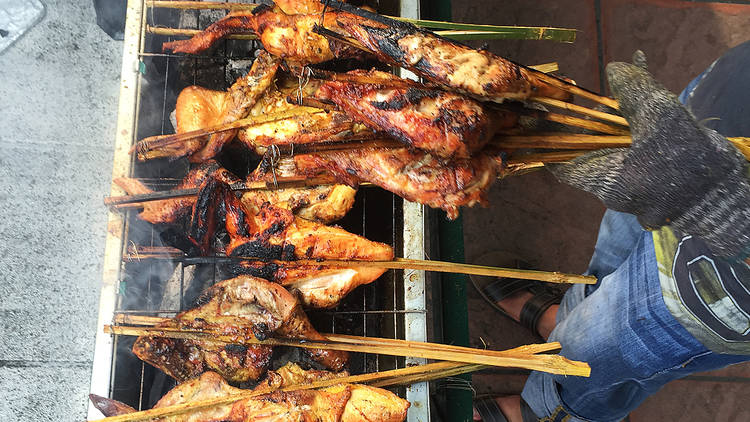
{"type": "Point", "coordinates": [394, 306]}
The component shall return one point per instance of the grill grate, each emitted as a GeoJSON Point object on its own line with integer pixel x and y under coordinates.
{"type": "Point", "coordinates": [163, 288]}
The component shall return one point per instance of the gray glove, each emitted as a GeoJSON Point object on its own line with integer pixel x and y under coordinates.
{"type": "Point", "coordinates": [676, 172]}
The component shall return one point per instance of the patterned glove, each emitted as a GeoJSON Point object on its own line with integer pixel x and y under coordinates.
{"type": "Point", "coordinates": [676, 172]}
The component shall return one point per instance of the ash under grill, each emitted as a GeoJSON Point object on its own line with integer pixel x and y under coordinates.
{"type": "Point", "coordinates": [164, 287]}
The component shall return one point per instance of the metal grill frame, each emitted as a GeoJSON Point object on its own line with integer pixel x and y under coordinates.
{"type": "Point", "coordinates": [409, 319]}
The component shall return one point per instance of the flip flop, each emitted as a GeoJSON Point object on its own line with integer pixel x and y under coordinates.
{"type": "Point", "coordinates": [490, 411]}
{"type": "Point", "coordinates": [494, 289]}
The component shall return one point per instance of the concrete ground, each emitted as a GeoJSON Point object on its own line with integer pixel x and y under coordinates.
{"type": "Point", "coordinates": [554, 226]}
{"type": "Point", "coordinates": [59, 85]}
{"type": "Point", "coordinates": [59, 88]}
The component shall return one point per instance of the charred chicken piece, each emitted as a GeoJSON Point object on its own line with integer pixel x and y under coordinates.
{"type": "Point", "coordinates": [340, 403]}
{"type": "Point", "coordinates": [244, 307]}
{"type": "Point", "coordinates": [322, 204]}
{"type": "Point", "coordinates": [440, 60]}
{"type": "Point", "coordinates": [274, 233]}
{"type": "Point", "coordinates": [171, 210]}
{"type": "Point", "coordinates": [413, 175]}
{"type": "Point", "coordinates": [290, 37]}
{"type": "Point", "coordinates": [446, 124]}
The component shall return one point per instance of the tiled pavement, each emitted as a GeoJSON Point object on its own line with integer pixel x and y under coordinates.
{"type": "Point", "coordinates": [554, 226]}
{"type": "Point", "coordinates": [59, 85]}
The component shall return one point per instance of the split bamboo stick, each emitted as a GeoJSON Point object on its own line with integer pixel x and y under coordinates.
{"type": "Point", "coordinates": [126, 319]}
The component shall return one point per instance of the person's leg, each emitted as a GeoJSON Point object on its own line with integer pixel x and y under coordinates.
{"type": "Point", "coordinates": [634, 346]}
{"type": "Point", "coordinates": [618, 235]}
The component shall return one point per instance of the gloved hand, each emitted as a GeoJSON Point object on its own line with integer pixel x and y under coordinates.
{"type": "Point", "coordinates": [676, 172]}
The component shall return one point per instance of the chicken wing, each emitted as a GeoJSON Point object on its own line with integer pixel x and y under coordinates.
{"type": "Point", "coordinates": [171, 210]}
{"type": "Point", "coordinates": [244, 307]}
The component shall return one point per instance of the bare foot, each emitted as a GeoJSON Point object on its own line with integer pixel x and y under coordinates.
{"type": "Point", "coordinates": [514, 303]}
{"type": "Point", "coordinates": [509, 405]}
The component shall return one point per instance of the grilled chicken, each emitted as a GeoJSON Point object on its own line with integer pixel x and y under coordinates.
{"type": "Point", "coordinates": [276, 234]}
{"type": "Point", "coordinates": [321, 204]}
{"type": "Point", "coordinates": [413, 175]}
{"type": "Point", "coordinates": [443, 123]}
{"type": "Point", "coordinates": [198, 108]}
{"type": "Point", "coordinates": [243, 307]}
{"type": "Point", "coordinates": [440, 60]}
{"type": "Point", "coordinates": [171, 210]}
{"type": "Point", "coordinates": [290, 37]}
{"type": "Point", "coordinates": [340, 403]}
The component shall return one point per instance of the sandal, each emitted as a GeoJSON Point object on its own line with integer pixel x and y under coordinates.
{"type": "Point", "coordinates": [494, 289]}
{"type": "Point", "coordinates": [490, 411]}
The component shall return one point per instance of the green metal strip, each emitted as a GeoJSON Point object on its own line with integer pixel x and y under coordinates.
{"type": "Point", "coordinates": [452, 286]}
{"type": "Point", "coordinates": [455, 311]}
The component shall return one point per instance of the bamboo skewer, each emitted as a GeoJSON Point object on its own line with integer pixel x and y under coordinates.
{"type": "Point", "coordinates": [575, 89]}
{"type": "Point", "coordinates": [125, 319]}
{"type": "Point", "coordinates": [159, 30]}
{"type": "Point", "coordinates": [580, 141]}
{"type": "Point", "coordinates": [395, 264]}
{"type": "Point", "coordinates": [580, 109]}
{"type": "Point", "coordinates": [546, 67]}
{"type": "Point", "coordinates": [456, 35]}
{"type": "Point", "coordinates": [547, 363]}
{"type": "Point", "coordinates": [581, 123]}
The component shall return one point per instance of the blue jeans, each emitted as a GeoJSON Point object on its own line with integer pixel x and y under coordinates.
{"type": "Point", "coordinates": [622, 328]}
